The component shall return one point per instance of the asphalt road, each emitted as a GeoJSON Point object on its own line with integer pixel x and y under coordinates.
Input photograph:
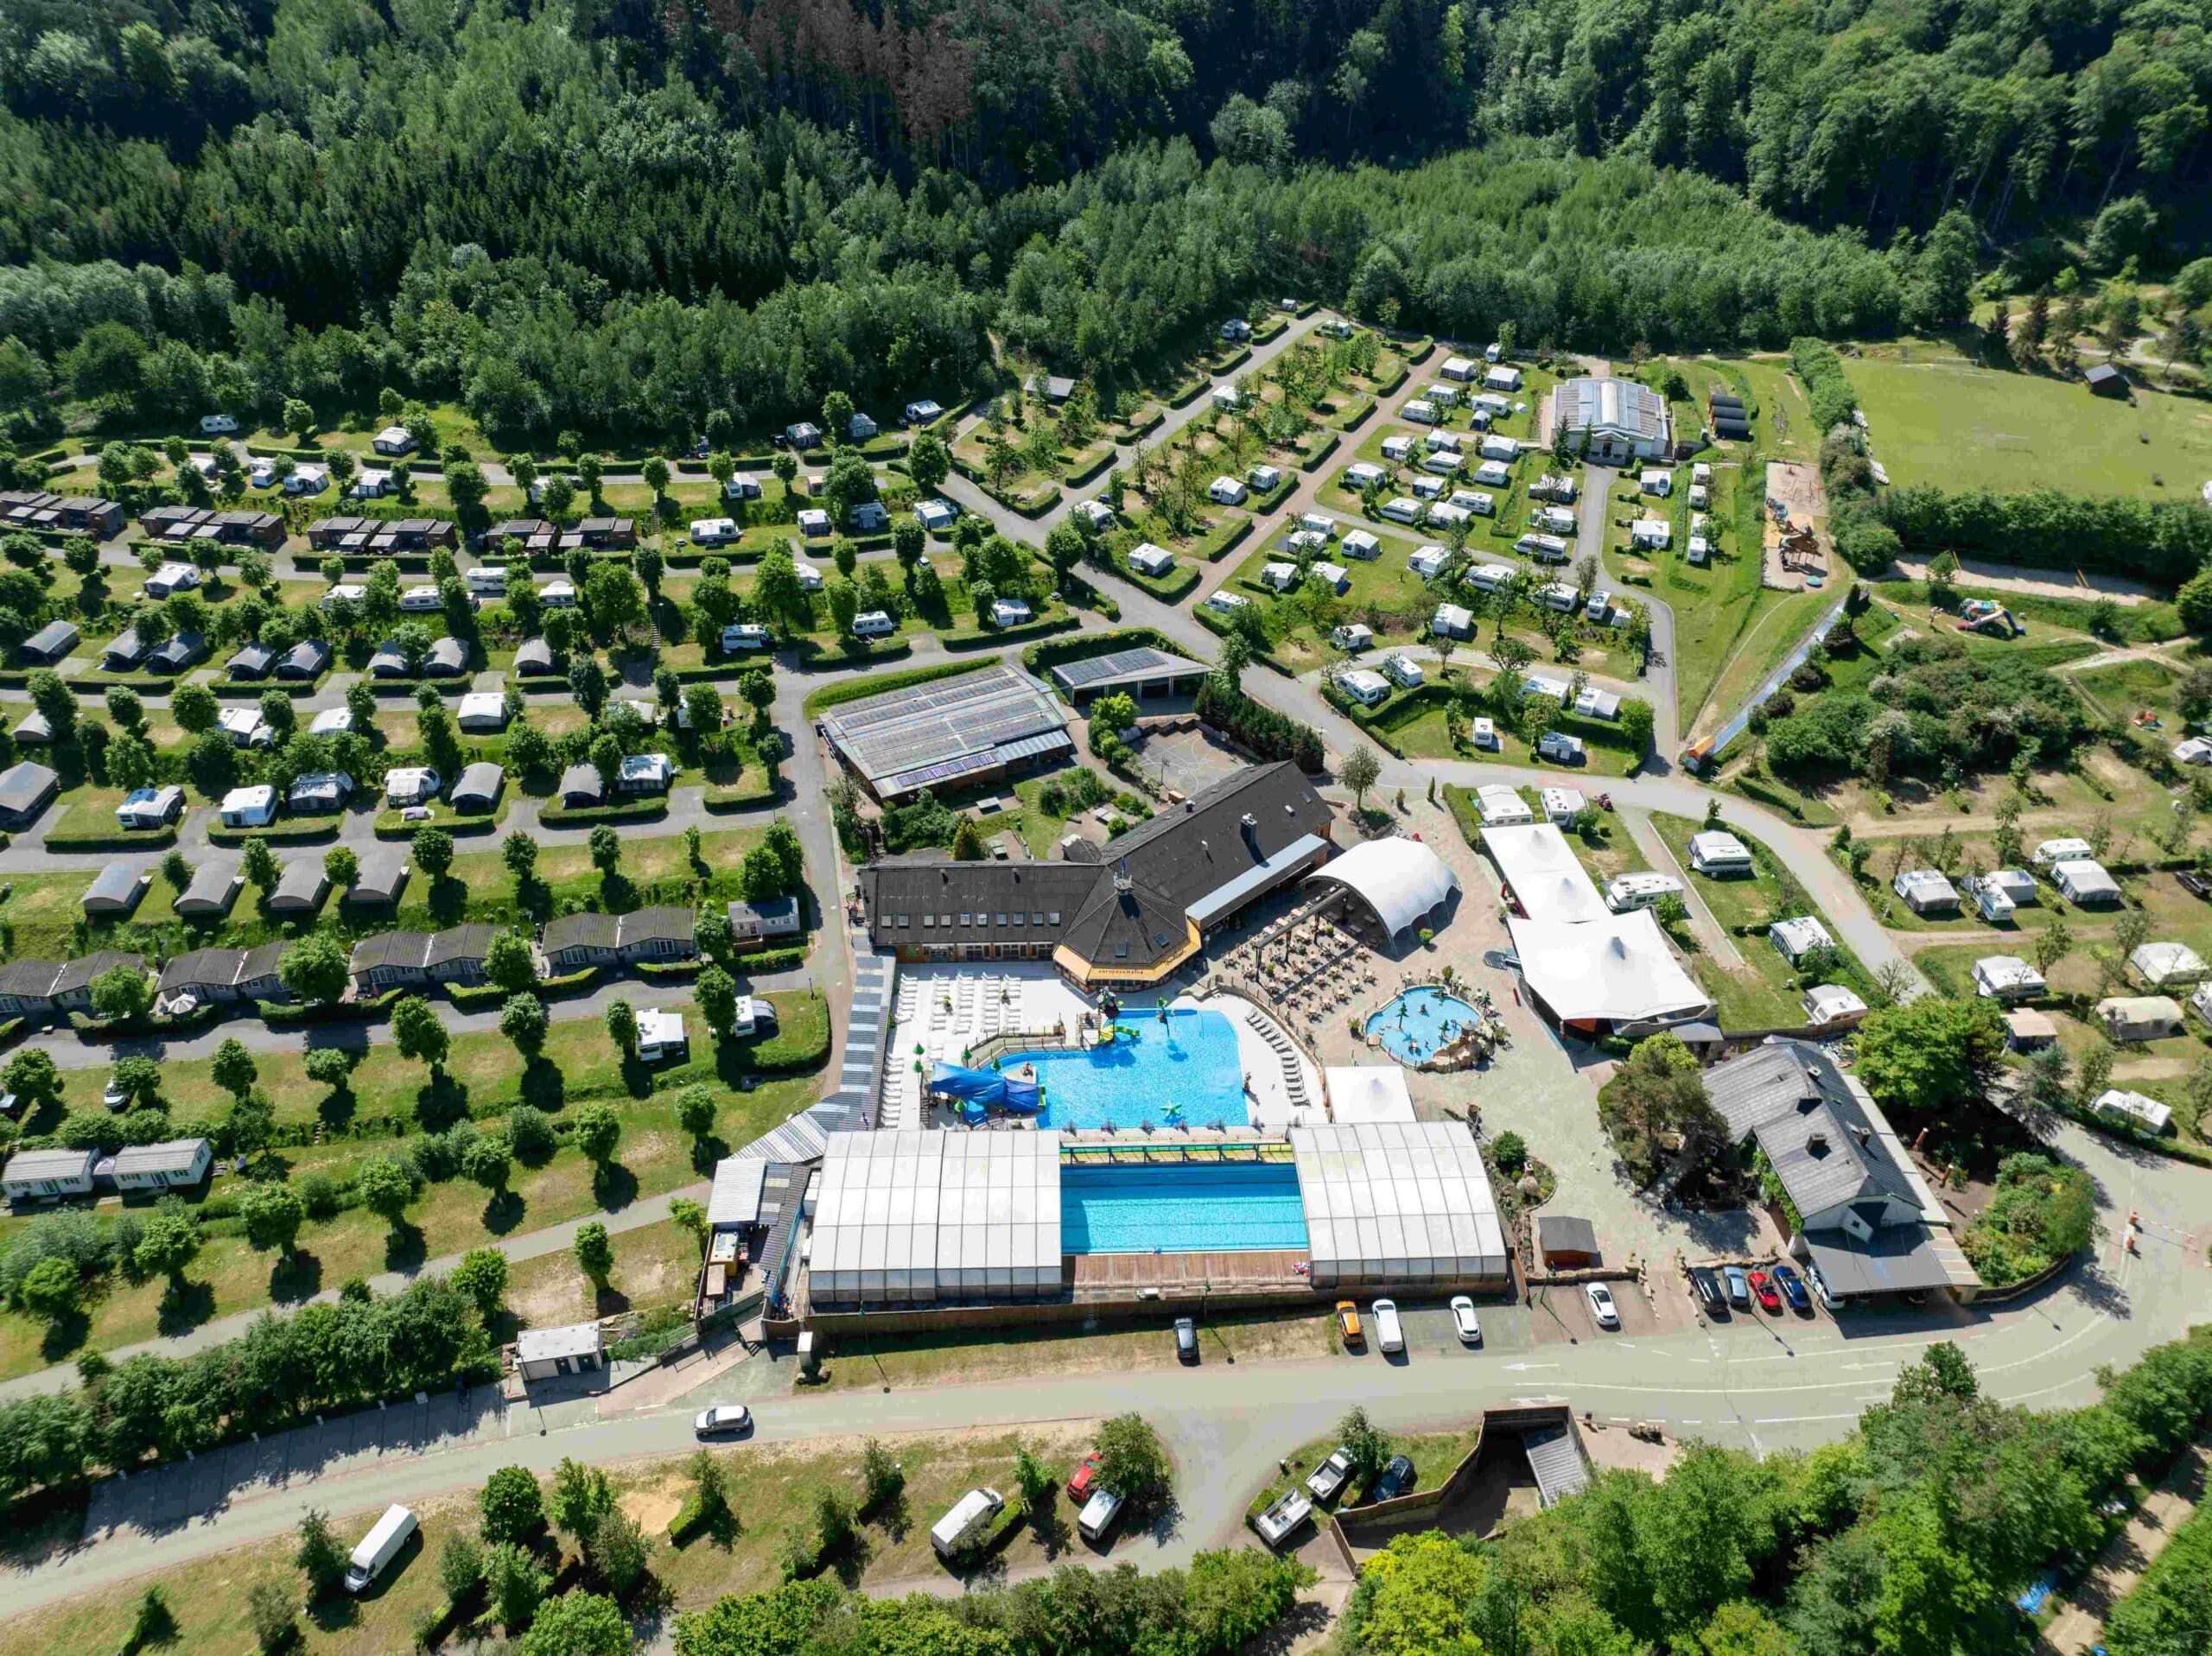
{"type": "Point", "coordinates": [1764, 1384]}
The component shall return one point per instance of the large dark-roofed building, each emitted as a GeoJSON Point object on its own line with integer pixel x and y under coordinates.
{"type": "Point", "coordinates": [1868, 1221]}
{"type": "Point", "coordinates": [975, 727]}
{"type": "Point", "coordinates": [1131, 917]}
{"type": "Point", "coordinates": [1143, 671]}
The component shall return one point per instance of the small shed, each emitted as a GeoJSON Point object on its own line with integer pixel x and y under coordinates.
{"type": "Point", "coordinates": [573, 1348]}
{"type": "Point", "coordinates": [1565, 1243]}
{"type": "Point", "coordinates": [214, 887]}
{"type": "Point", "coordinates": [2027, 1029]}
{"type": "Point", "coordinates": [580, 786]}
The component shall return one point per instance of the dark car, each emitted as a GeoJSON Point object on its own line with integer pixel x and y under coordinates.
{"type": "Point", "coordinates": [1706, 1287]}
{"type": "Point", "coordinates": [1793, 1290]}
{"type": "Point", "coordinates": [2195, 884]}
{"type": "Point", "coordinates": [1186, 1340]}
{"type": "Point", "coordinates": [1397, 1478]}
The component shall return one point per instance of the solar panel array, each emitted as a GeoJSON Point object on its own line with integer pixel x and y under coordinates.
{"type": "Point", "coordinates": [931, 732]}
{"type": "Point", "coordinates": [1141, 663]}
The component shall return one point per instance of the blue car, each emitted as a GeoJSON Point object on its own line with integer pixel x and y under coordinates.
{"type": "Point", "coordinates": [1793, 1289]}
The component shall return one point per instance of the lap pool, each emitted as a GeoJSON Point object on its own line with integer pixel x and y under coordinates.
{"type": "Point", "coordinates": [1236, 1207]}
{"type": "Point", "coordinates": [1183, 1072]}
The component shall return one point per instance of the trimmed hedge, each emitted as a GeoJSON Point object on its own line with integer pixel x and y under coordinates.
{"type": "Point", "coordinates": [390, 827]}
{"type": "Point", "coordinates": [246, 690]}
{"type": "Point", "coordinates": [1043, 627]}
{"type": "Point", "coordinates": [645, 809]}
{"type": "Point", "coordinates": [763, 961]}
{"type": "Point", "coordinates": [278, 832]}
{"type": "Point", "coordinates": [479, 997]}
{"type": "Point", "coordinates": [852, 689]}
{"type": "Point", "coordinates": [670, 971]}
{"type": "Point", "coordinates": [1177, 584]}
{"type": "Point", "coordinates": [105, 838]}
{"type": "Point", "coordinates": [284, 1015]}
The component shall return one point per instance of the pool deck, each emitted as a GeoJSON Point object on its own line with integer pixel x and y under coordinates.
{"type": "Point", "coordinates": [1187, 1276]}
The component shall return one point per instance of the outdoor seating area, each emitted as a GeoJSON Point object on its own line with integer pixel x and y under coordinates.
{"type": "Point", "coordinates": [1308, 960]}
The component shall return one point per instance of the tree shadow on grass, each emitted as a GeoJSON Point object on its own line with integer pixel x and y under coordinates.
{"type": "Point", "coordinates": [448, 900]}
{"type": "Point", "coordinates": [705, 1151]}
{"type": "Point", "coordinates": [613, 1186]}
{"type": "Point", "coordinates": [637, 1078]}
{"type": "Point", "coordinates": [543, 1086]}
{"type": "Point", "coordinates": [295, 1278]}
{"type": "Point", "coordinates": [185, 1307]}
{"type": "Point", "coordinates": [441, 1102]}
{"type": "Point", "coordinates": [64, 1334]}
{"type": "Point", "coordinates": [618, 892]}
{"type": "Point", "coordinates": [404, 1247]}
{"type": "Point", "coordinates": [336, 1111]}
{"type": "Point", "coordinates": [504, 1212]}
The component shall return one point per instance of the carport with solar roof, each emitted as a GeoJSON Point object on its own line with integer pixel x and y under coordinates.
{"type": "Point", "coordinates": [975, 727]}
{"type": "Point", "coordinates": [1143, 672]}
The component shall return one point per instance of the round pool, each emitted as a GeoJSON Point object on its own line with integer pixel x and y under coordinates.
{"type": "Point", "coordinates": [1411, 1025]}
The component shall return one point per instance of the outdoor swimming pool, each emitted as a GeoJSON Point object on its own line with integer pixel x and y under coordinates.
{"type": "Point", "coordinates": [1236, 1207]}
{"type": "Point", "coordinates": [1414, 1024]}
{"type": "Point", "coordinates": [1183, 1072]}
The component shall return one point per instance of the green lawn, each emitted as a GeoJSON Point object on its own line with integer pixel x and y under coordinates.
{"type": "Point", "coordinates": [1423, 736]}
{"type": "Point", "coordinates": [772, 1490]}
{"type": "Point", "coordinates": [1766, 992]}
{"type": "Point", "coordinates": [1940, 421]}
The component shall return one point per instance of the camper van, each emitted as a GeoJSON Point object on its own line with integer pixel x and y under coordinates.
{"type": "Point", "coordinates": [968, 1522]}
{"type": "Point", "coordinates": [379, 1548]}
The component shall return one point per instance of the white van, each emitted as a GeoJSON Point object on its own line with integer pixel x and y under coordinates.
{"type": "Point", "coordinates": [379, 1548]}
{"type": "Point", "coordinates": [1099, 1513]}
{"type": "Point", "coordinates": [967, 1523]}
{"type": "Point", "coordinates": [1388, 1336]}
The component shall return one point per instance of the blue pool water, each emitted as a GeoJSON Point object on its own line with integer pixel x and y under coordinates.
{"type": "Point", "coordinates": [1182, 1073]}
{"type": "Point", "coordinates": [1230, 1209]}
{"type": "Point", "coordinates": [1414, 1025]}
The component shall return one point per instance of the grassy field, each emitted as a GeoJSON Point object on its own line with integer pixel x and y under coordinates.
{"type": "Point", "coordinates": [376, 1114]}
{"type": "Point", "coordinates": [866, 1364]}
{"type": "Point", "coordinates": [1765, 992]}
{"type": "Point", "coordinates": [1940, 420]}
{"type": "Point", "coordinates": [773, 1490]}
{"type": "Point", "coordinates": [1423, 736]}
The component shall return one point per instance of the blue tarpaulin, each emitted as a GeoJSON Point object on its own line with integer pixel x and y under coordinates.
{"type": "Point", "coordinates": [986, 1086]}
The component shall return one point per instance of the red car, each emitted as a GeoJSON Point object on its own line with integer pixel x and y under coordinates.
{"type": "Point", "coordinates": [1762, 1285]}
{"type": "Point", "coordinates": [1083, 1479]}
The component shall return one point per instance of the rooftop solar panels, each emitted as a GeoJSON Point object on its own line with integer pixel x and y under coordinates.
{"type": "Point", "coordinates": [1137, 666]}
{"type": "Point", "coordinates": [930, 734]}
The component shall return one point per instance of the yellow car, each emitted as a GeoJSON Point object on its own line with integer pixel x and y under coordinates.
{"type": "Point", "coordinates": [1348, 1322]}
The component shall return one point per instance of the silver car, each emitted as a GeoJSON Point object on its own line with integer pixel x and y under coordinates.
{"type": "Point", "coordinates": [723, 1418]}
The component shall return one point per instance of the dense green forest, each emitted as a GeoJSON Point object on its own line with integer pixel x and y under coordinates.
{"type": "Point", "coordinates": [610, 217]}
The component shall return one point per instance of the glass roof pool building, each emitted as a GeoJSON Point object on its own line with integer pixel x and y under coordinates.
{"type": "Point", "coordinates": [914, 1220]}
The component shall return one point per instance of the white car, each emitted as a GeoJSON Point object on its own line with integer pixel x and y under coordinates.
{"type": "Point", "coordinates": [1602, 1309]}
{"type": "Point", "coordinates": [722, 1417]}
{"type": "Point", "coordinates": [1463, 1322]}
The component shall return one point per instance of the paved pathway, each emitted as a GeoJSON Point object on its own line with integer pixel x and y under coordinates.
{"type": "Point", "coordinates": [2074, 1629]}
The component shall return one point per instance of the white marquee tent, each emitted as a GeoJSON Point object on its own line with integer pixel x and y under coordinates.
{"type": "Point", "coordinates": [1542, 872]}
{"type": "Point", "coordinates": [1618, 970]}
{"type": "Point", "coordinates": [1400, 879]}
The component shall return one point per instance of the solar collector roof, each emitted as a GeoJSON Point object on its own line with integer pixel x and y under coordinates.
{"type": "Point", "coordinates": [950, 728]}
